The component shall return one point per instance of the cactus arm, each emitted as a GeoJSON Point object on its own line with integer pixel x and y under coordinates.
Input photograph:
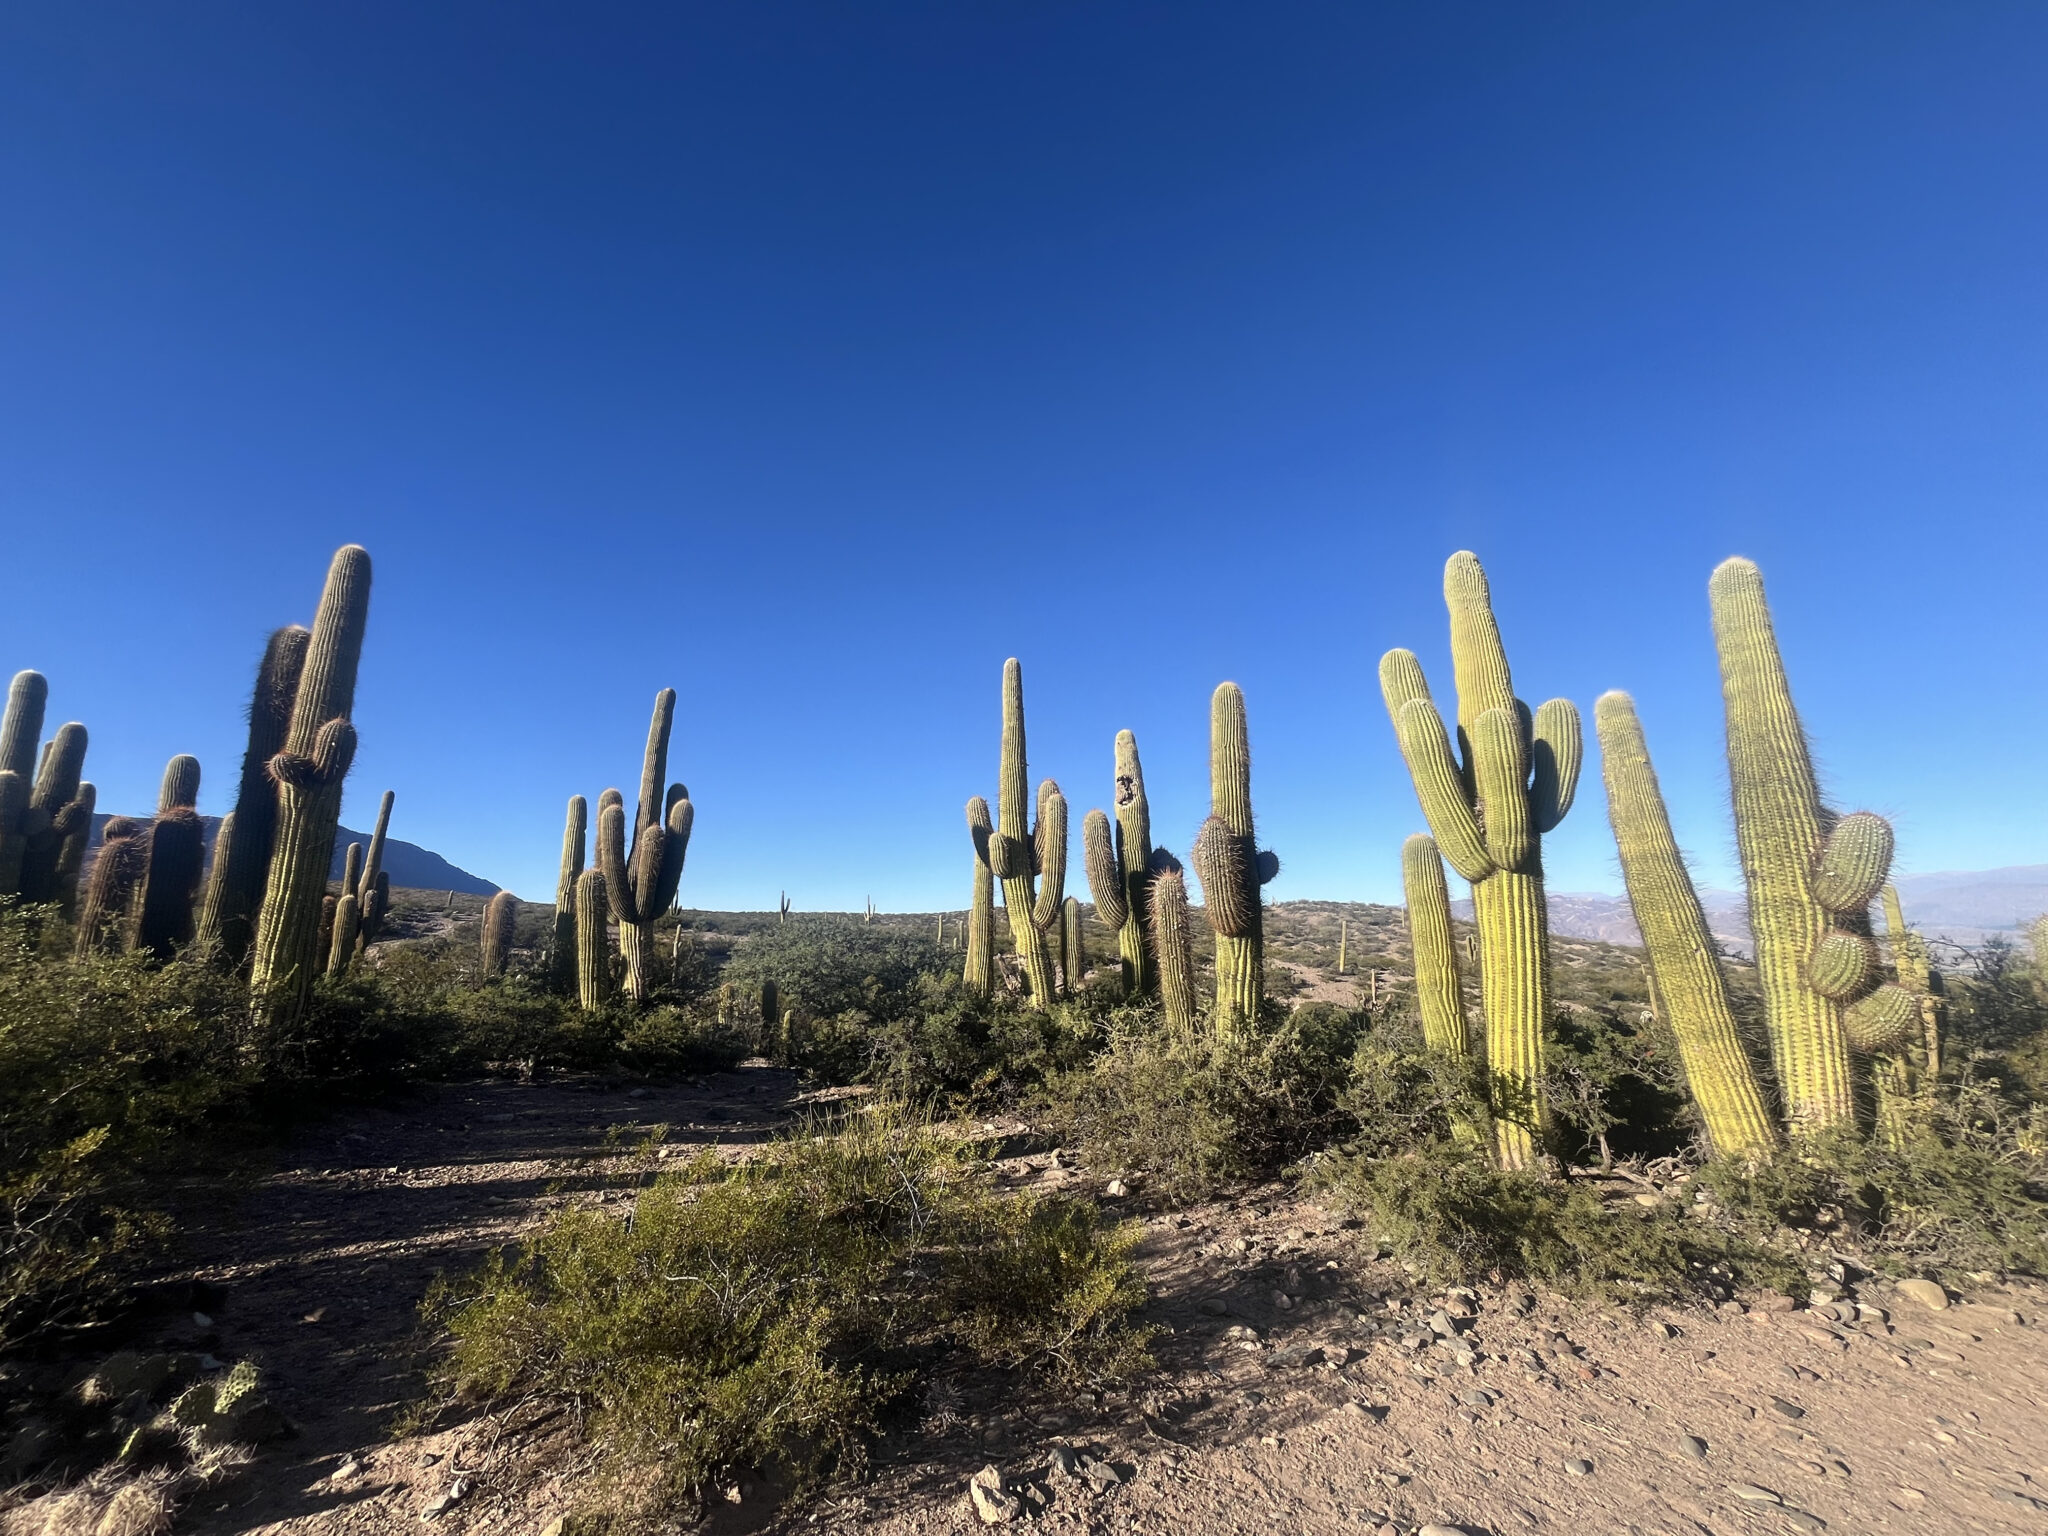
{"type": "Point", "coordinates": [1105, 875]}
{"type": "Point", "coordinates": [1049, 849]}
{"type": "Point", "coordinates": [341, 942]}
{"type": "Point", "coordinates": [675, 849]}
{"type": "Point", "coordinates": [575, 828]}
{"type": "Point", "coordinates": [1555, 755]}
{"type": "Point", "coordinates": [1479, 661]}
{"type": "Point", "coordinates": [651, 812]}
{"type": "Point", "coordinates": [501, 914]}
{"type": "Point", "coordinates": [21, 727]}
{"type": "Point", "coordinates": [1440, 786]}
{"type": "Point", "coordinates": [1438, 994]}
{"type": "Point", "coordinates": [71, 850]}
{"type": "Point", "coordinates": [611, 859]}
{"type": "Point", "coordinates": [230, 919]}
{"type": "Point", "coordinates": [117, 869]}
{"type": "Point", "coordinates": [373, 862]}
{"type": "Point", "coordinates": [1500, 773]}
{"type": "Point", "coordinates": [1685, 973]}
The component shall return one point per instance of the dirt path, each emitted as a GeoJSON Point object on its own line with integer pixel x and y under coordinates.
{"type": "Point", "coordinates": [1302, 1389]}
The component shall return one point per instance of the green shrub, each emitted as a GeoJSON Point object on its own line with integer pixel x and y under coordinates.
{"type": "Point", "coordinates": [763, 1316]}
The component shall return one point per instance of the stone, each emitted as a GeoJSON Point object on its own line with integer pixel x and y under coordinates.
{"type": "Point", "coordinates": [1752, 1493]}
{"type": "Point", "coordinates": [1435, 1529]}
{"type": "Point", "coordinates": [1579, 1467]}
{"type": "Point", "coordinates": [446, 1500]}
{"type": "Point", "coordinates": [1115, 1189]}
{"type": "Point", "coordinates": [1215, 1307]}
{"type": "Point", "coordinates": [991, 1501]}
{"type": "Point", "coordinates": [1804, 1519]}
{"type": "Point", "coordinates": [1926, 1292]}
{"type": "Point", "coordinates": [1478, 1397]}
{"type": "Point", "coordinates": [1788, 1410]}
{"type": "Point", "coordinates": [1693, 1446]}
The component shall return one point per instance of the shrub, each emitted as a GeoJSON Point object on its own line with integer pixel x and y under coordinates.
{"type": "Point", "coordinates": [763, 1316]}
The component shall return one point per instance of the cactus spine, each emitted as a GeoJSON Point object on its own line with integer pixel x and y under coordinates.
{"type": "Point", "coordinates": [176, 853]}
{"type": "Point", "coordinates": [1231, 867]}
{"type": "Point", "coordinates": [241, 852]}
{"type": "Point", "coordinates": [501, 915]}
{"type": "Point", "coordinates": [1439, 995]}
{"type": "Point", "coordinates": [1811, 875]}
{"type": "Point", "coordinates": [574, 827]}
{"type": "Point", "coordinates": [593, 942]}
{"type": "Point", "coordinates": [1488, 812]}
{"type": "Point", "coordinates": [1171, 946]}
{"type": "Point", "coordinates": [980, 971]}
{"type": "Point", "coordinates": [1016, 850]}
{"type": "Point", "coordinates": [641, 891]}
{"type": "Point", "coordinates": [1691, 994]}
{"type": "Point", "coordinates": [319, 747]}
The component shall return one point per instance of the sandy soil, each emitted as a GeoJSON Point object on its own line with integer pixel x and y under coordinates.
{"type": "Point", "coordinates": [1297, 1391]}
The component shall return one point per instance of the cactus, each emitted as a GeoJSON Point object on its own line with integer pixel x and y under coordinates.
{"type": "Point", "coordinates": [771, 1004]}
{"type": "Point", "coordinates": [116, 871]}
{"type": "Point", "coordinates": [1488, 807]}
{"type": "Point", "coordinates": [980, 971]}
{"type": "Point", "coordinates": [176, 853]}
{"type": "Point", "coordinates": [641, 891]}
{"type": "Point", "coordinates": [1118, 864]}
{"type": "Point", "coordinates": [782, 910]}
{"type": "Point", "coordinates": [373, 888]}
{"type": "Point", "coordinates": [319, 747]}
{"type": "Point", "coordinates": [1684, 966]}
{"type": "Point", "coordinates": [347, 918]}
{"type": "Point", "coordinates": [593, 941]}
{"type": "Point", "coordinates": [1073, 947]}
{"type": "Point", "coordinates": [501, 915]}
{"type": "Point", "coordinates": [241, 851]}
{"type": "Point", "coordinates": [1231, 867]}
{"type": "Point", "coordinates": [1438, 993]}
{"type": "Point", "coordinates": [1811, 874]}
{"type": "Point", "coordinates": [1904, 1078]}
{"type": "Point", "coordinates": [45, 811]}
{"type": "Point", "coordinates": [563, 959]}
{"type": "Point", "coordinates": [21, 730]}
{"type": "Point", "coordinates": [1016, 852]}
{"type": "Point", "coordinates": [1172, 949]}
{"type": "Point", "coordinates": [1344, 928]}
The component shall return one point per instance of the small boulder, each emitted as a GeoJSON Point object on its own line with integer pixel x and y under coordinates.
{"type": "Point", "coordinates": [992, 1502]}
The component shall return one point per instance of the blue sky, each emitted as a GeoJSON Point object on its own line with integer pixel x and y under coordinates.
{"type": "Point", "coordinates": [812, 359]}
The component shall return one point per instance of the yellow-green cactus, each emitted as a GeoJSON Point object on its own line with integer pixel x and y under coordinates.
{"type": "Point", "coordinates": [1489, 806]}
{"type": "Point", "coordinates": [640, 876]}
{"type": "Point", "coordinates": [574, 828]}
{"type": "Point", "coordinates": [1684, 961]}
{"type": "Point", "coordinates": [1018, 852]}
{"type": "Point", "coordinates": [1811, 875]}
{"type": "Point", "coordinates": [980, 972]}
{"type": "Point", "coordinates": [593, 941]}
{"type": "Point", "coordinates": [1232, 867]}
{"type": "Point", "coordinates": [1171, 946]}
{"type": "Point", "coordinates": [1438, 993]}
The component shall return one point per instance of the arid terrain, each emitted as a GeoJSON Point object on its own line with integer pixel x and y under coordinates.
{"type": "Point", "coordinates": [1305, 1385]}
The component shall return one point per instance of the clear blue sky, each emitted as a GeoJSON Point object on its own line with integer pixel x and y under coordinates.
{"type": "Point", "coordinates": [814, 358]}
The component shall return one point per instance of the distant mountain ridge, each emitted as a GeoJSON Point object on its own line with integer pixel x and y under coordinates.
{"type": "Point", "coordinates": [1961, 906]}
{"type": "Point", "coordinates": [410, 865]}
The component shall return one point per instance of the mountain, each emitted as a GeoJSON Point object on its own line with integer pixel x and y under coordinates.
{"type": "Point", "coordinates": [410, 865]}
{"type": "Point", "coordinates": [1964, 907]}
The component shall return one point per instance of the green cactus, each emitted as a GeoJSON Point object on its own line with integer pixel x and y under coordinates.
{"type": "Point", "coordinates": [1232, 867]}
{"type": "Point", "coordinates": [563, 960]}
{"type": "Point", "coordinates": [103, 910]}
{"type": "Point", "coordinates": [1118, 863]}
{"type": "Point", "coordinates": [319, 747]}
{"type": "Point", "coordinates": [21, 731]}
{"type": "Point", "coordinates": [1917, 975]}
{"type": "Point", "coordinates": [1439, 995]}
{"type": "Point", "coordinates": [1073, 948]}
{"type": "Point", "coordinates": [176, 853]}
{"type": "Point", "coordinates": [45, 810]}
{"type": "Point", "coordinates": [1489, 806]}
{"type": "Point", "coordinates": [1017, 852]}
{"type": "Point", "coordinates": [593, 941]}
{"type": "Point", "coordinates": [348, 913]}
{"type": "Point", "coordinates": [1172, 948]}
{"type": "Point", "coordinates": [1684, 965]}
{"type": "Point", "coordinates": [980, 972]}
{"type": "Point", "coordinates": [1811, 875]}
{"type": "Point", "coordinates": [501, 916]}
{"type": "Point", "coordinates": [771, 1004]}
{"type": "Point", "coordinates": [641, 891]}
{"type": "Point", "coordinates": [373, 880]}
{"type": "Point", "coordinates": [243, 846]}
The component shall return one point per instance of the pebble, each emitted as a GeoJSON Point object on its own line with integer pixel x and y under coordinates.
{"type": "Point", "coordinates": [1926, 1292]}
{"type": "Point", "coordinates": [1693, 1446]}
{"type": "Point", "coordinates": [1478, 1397]}
{"type": "Point", "coordinates": [1579, 1467]}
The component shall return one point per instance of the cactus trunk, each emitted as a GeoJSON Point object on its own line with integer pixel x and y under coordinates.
{"type": "Point", "coordinates": [1134, 856]}
{"type": "Point", "coordinates": [309, 773]}
{"type": "Point", "coordinates": [501, 916]}
{"type": "Point", "coordinates": [1171, 946]}
{"type": "Point", "coordinates": [640, 881]}
{"type": "Point", "coordinates": [563, 959]}
{"type": "Point", "coordinates": [1012, 845]}
{"type": "Point", "coordinates": [242, 863]}
{"type": "Point", "coordinates": [1073, 947]}
{"type": "Point", "coordinates": [1231, 867]}
{"type": "Point", "coordinates": [593, 944]}
{"type": "Point", "coordinates": [176, 855]}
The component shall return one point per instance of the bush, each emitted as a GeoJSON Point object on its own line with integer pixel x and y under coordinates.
{"type": "Point", "coordinates": [763, 1316]}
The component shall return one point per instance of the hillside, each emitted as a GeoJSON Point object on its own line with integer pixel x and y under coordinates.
{"type": "Point", "coordinates": [410, 865]}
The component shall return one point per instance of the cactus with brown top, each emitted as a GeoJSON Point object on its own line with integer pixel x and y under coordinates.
{"type": "Point", "coordinates": [563, 960]}
{"type": "Point", "coordinates": [247, 837]}
{"type": "Point", "coordinates": [593, 941]}
{"type": "Point", "coordinates": [1488, 805]}
{"type": "Point", "coordinates": [1684, 961]}
{"type": "Point", "coordinates": [1811, 875]}
{"type": "Point", "coordinates": [1017, 852]}
{"type": "Point", "coordinates": [1232, 867]}
{"type": "Point", "coordinates": [980, 971]}
{"type": "Point", "coordinates": [501, 917]}
{"type": "Point", "coordinates": [319, 746]}
{"type": "Point", "coordinates": [641, 890]}
{"type": "Point", "coordinates": [1172, 947]}
{"type": "Point", "coordinates": [176, 854]}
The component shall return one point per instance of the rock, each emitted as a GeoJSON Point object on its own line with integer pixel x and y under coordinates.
{"type": "Point", "coordinates": [559, 1526]}
{"type": "Point", "coordinates": [1751, 1493]}
{"type": "Point", "coordinates": [1926, 1292]}
{"type": "Point", "coordinates": [1214, 1307]}
{"type": "Point", "coordinates": [1579, 1467]}
{"type": "Point", "coordinates": [1478, 1397]}
{"type": "Point", "coordinates": [1663, 1330]}
{"type": "Point", "coordinates": [1649, 1199]}
{"type": "Point", "coordinates": [1283, 1301]}
{"type": "Point", "coordinates": [1693, 1446]}
{"type": "Point", "coordinates": [1115, 1189]}
{"type": "Point", "coordinates": [1805, 1520]}
{"type": "Point", "coordinates": [991, 1502]}
{"type": "Point", "coordinates": [442, 1502]}
{"type": "Point", "coordinates": [1441, 1325]}
{"type": "Point", "coordinates": [1434, 1529]}
{"type": "Point", "coordinates": [1065, 1463]}
{"type": "Point", "coordinates": [1788, 1410]}
{"type": "Point", "coordinates": [2023, 1501]}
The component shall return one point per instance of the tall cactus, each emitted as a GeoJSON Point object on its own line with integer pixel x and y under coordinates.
{"type": "Point", "coordinates": [563, 960]}
{"type": "Point", "coordinates": [347, 917]}
{"type": "Point", "coordinates": [1811, 874]}
{"type": "Point", "coordinates": [1684, 963]}
{"type": "Point", "coordinates": [1016, 850]}
{"type": "Point", "coordinates": [176, 854]}
{"type": "Point", "coordinates": [1489, 806]}
{"type": "Point", "coordinates": [104, 907]}
{"type": "Point", "coordinates": [243, 845]}
{"type": "Point", "coordinates": [501, 917]}
{"type": "Point", "coordinates": [1232, 867]}
{"type": "Point", "coordinates": [593, 941]}
{"type": "Point", "coordinates": [21, 732]}
{"type": "Point", "coordinates": [980, 971]}
{"type": "Point", "coordinates": [1171, 944]}
{"type": "Point", "coordinates": [319, 747]}
{"type": "Point", "coordinates": [1073, 948]}
{"type": "Point", "coordinates": [1118, 863]}
{"type": "Point", "coordinates": [641, 891]}
{"type": "Point", "coordinates": [373, 890]}
{"type": "Point", "coordinates": [1439, 994]}
{"type": "Point", "coordinates": [45, 808]}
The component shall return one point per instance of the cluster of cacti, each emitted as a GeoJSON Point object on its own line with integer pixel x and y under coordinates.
{"type": "Point", "coordinates": [1020, 855]}
{"type": "Point", "coordinates": [501, 917]}
{"type": "Point", "coordinates": [319, 746]}
{"type": "Point", "coordinates": [45, 808]}
{"type": "Point", "coordinates": [1489, 802]}
{"type": "Point", "coordinates": [355, 916]}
